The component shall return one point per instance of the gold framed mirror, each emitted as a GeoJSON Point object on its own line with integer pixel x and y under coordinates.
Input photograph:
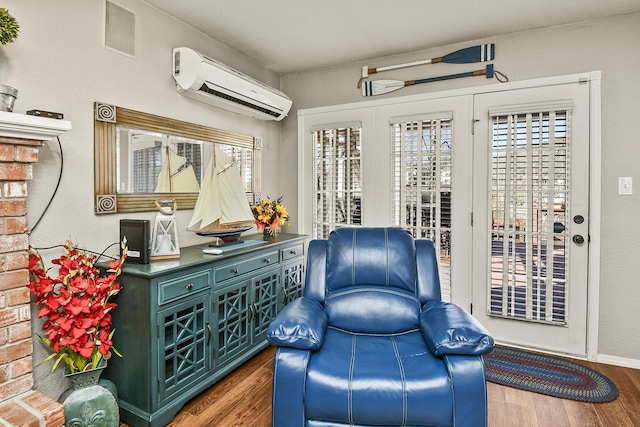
{"type": "Point", "coordinates": [131, 149]}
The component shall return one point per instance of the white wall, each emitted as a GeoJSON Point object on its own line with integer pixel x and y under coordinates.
{"type": "Point", "coordinates": [58, 64]}
{"type": "Point", "coordinates": [610, 45]}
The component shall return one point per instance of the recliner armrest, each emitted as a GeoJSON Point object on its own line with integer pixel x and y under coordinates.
{"type": "Point", "coordinates": [301, 324]}
{"type": "Point", "coordinates": [448, 329]}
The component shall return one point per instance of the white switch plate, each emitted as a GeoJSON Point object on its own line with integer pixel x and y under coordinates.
{"type": "Point", "coordinates": [625, 185]}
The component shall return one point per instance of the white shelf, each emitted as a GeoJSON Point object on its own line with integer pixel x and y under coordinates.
{"type": "Point", "coordinates": [14, 125]}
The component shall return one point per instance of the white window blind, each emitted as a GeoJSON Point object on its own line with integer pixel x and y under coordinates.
{"type": "Point", "coordinates": [147, 163]}
{"type": "Point", "coordinates": [338, 188]}
{"type": "Point", "coordinates": [421, 165]}
{"type": "Point", "coordinates": [530, 186]}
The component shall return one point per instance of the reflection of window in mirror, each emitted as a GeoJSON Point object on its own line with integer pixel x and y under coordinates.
{"type": "Point", "coordinates": [243, 156]}
{"type": "Point", "coordinates": [153, 162]}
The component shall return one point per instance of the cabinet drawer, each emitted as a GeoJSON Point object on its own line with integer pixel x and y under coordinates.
{"type": "Point", "coordinates": [292, 252]}
{"type": "Point", "coordinates": [234, 269]}
{"type": "Point", "coordinates": [183, 285]}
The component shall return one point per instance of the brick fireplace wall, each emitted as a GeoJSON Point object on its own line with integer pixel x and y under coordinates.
{"type": "Point", "coordinates": [20, 405]}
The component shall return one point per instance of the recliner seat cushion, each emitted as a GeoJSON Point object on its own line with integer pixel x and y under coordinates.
{"type": "Point", "coordinates": [377, 380]}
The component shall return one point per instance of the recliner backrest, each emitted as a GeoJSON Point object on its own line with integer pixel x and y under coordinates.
{"type": "Point", "coordinates": [346, 279]}
{"type": "Point", "coordinates": [371, 256]}
{"type": "Point", "coordinates": [371, 280]}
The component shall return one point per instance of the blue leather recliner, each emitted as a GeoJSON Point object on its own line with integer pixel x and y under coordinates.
{"type": "Point", "coordinates": [370, 343]}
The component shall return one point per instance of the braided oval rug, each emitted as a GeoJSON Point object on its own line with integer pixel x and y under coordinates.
{"type": "Point", "coordinates": [549, 375]}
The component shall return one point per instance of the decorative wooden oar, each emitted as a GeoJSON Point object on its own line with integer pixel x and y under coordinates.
{"type": "Point", "coordinates": [378, 87]}
{"type": "Point", "coordinates": [480, 53]}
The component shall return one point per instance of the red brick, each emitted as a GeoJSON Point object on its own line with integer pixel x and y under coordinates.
{"type": "Point", "coordinates": [16, 225]}
{"type": "Point", "coordinates": [53, 411]}
{"type": "Point", "coordinates": [19, 416]}
{"type": "Point", "coordinates": [4, 373]}
{"type": "Point", "coordinates": [6, 153]}
{"type": "Point", "coordinates": [26, 154]}
{"type": "Point", "coordinates": [16, 260]}
{"type": "Point", "coordinates": [21, 141]}
{"type": "Point", "coordinates": [14, 279]}
{"type": "Point", "coordinates": [13, 243]}
{"type": "Point", "coordinates": [16, 351]}
{"type": "Point", "coordinates": [19, 331]}
{"type": "Point", "coordinates": [15, 171]}
{"type": "Point", "coordinates": [11, 315]}
{"type": "Point", "coordinates": [8, 317]}
{"type": "Point", "coordinates": [15, 387]}
{"type": "Point", "coordinates": [18, 296]}
{"type": "Point", "coordinates": [4, 335]}
{"type": "Point", "coordinates": [13, 189]}
{"type": "Point", "coordinates": [21, 367]}
{"type": "Point", "coordinates": [13, 207]}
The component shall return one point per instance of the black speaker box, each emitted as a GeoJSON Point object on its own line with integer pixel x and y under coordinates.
{"type": "Point", "coordinates": [137, 232]}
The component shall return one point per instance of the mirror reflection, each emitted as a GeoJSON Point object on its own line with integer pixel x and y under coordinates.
{"type": "Point", "coordinates": [155, 162]}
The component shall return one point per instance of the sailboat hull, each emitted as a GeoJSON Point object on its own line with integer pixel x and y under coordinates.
{"type": "Point", "coordinates": [228, 235]}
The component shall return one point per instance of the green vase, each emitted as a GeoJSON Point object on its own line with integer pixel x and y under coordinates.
{"type": "Point", "coordinates": [92, 402]}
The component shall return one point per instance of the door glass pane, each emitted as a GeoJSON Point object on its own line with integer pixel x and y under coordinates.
{"type": "Point", "coordinates": [338, 190]}
{"type": "Point", "coordinates": [529, 195]}
{"type": "Point", "coordinates": [421, 185]}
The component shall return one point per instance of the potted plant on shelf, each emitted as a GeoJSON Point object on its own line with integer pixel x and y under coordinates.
{"type": "Point", "coordinates": [8, 33]}
{"type": "Point", "coordinates": [270, 216]}
{"type": "Point", "coordinates": [75, 300]}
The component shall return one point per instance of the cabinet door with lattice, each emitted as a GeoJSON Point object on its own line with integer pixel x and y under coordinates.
{"type": "Point", "coordinates": [232, 311]}
{"type": "Point", "coordinates": [183, 335]}
{"type": "Point", "coordinates": [292, 280]}
{"type": "Point", "coordinates": [264, 306]}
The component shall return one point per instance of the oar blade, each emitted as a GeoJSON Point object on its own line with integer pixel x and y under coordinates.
{"type": "Point", "coordinates": [480, 53]}
{"type": "Point", "coordinates": [378, 87]}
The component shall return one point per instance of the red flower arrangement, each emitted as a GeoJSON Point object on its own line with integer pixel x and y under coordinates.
{"type": "Point", "coordinates": [76, 306]}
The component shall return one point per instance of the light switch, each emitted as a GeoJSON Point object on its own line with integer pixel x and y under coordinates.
{"type": "Point", "coordinates": [625, 185]}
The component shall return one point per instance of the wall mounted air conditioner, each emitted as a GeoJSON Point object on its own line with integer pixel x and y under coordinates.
{"type": "Point", "coordinates": [209, 81]}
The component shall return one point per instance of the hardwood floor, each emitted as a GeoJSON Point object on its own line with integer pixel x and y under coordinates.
{"type": "Point", "coordinates": [244, 399]}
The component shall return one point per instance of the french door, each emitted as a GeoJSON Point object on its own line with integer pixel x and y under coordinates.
{"type": "Point", "coordinates": [530, 237]}
{"type": "Point", "coordinates": [499, 178]}
{"type": "Point", "coordinates": [408, 165]}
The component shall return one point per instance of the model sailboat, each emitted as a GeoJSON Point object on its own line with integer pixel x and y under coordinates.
{"type": "Point", "coordinates": [177, 174]}
{"type": "Point", "coordinates": [222, 209]}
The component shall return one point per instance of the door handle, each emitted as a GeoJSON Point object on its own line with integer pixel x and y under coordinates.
{"type": "Point", "coordinates": [252, 312]}
{"type": "Point", "coordinates": [578, 239]}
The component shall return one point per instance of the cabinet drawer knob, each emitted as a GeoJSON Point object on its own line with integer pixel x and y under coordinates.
{"type": "Point", "coordinates": [267, 260]}
{"type": "Point", "coordinates": [234, 271]}
{"type": "Point", "coordinates": [189, 286]}
{"type": "Point", "coordinates": [292, 252]}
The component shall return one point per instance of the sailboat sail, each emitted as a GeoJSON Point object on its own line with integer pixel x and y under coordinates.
{"type": "Point", "coordinates": [177, 174]}
{"type": "Point", "coordinates": [222, 197]}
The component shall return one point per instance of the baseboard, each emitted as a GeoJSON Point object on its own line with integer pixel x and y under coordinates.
{"type": "Point", "coordinates": [618, 361]}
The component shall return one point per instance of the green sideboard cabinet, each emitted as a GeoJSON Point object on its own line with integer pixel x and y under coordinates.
{"type": "Point", "coordinates": [183, 324]}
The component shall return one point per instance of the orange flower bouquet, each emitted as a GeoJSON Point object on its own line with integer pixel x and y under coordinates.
{"type": "Point", "coordinates": [270, 215]}
{"type": "Point", "coordinates": [76, 304]}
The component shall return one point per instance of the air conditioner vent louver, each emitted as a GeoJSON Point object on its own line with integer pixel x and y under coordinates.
{"type": "Point", "coordinates": [209, 81]}
{"type": "Point", "coordinates": [207, 89]}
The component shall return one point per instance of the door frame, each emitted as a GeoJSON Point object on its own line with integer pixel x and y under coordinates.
{"type": "Point", "coordinates": [593, 79]}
